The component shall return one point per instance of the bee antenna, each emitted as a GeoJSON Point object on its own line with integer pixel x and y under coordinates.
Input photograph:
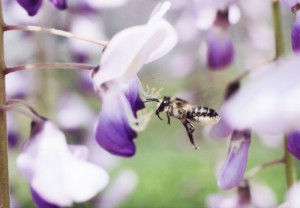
{"type": "Point", "coordinates": [151, 100]}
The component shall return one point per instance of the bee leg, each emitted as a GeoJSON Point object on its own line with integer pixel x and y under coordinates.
{"type": "Point", "coordinates": [157, 113]}
{"type": "Point", "coordinates": [190, 130]}
{"type": "Point", "coordinates": [169, 119]}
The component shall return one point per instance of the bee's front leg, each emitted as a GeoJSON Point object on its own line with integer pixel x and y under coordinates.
{"type": "Point", "coordinates": [157, 113]}
{"type": "Point", "coordinates": [190, 130]}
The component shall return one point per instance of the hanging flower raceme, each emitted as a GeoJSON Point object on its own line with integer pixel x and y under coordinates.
{"type": "Point", "coordinates": [268, 104]}
{"type": "Point", "coordinates": [294, 5]}
{"type": "Point", "coordinates": [117, 85]}
{"type": "Point", "coordinates": [234, 168]}
{"type": "Point", "coordinates": [32, 7]}
{"type": "Point", "coordinates": [216, 17]}
{"type": "Point", "coordinates": [220, 52]}
{"type": "Point", "coordinates": [58, 173]}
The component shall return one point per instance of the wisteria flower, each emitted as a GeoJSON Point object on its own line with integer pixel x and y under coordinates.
{"type": "Point", "coordinates": [269, 102]}
{"type": "Point", "coordinates": [116, 83]}
{"type": "Point", "coordinates": [58, 173]}
{"type": "Point", "coordinates": [295, 34]}
{"type": "Point", "coordinates": [32, 7]}
{"type": "Point", "coordinates": [246, 195]}
{"type": "Point", "coordinates": [216, 17]}
{"type": "Point", "coordinates": [234, 168]}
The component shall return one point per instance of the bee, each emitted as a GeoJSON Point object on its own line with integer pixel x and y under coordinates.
{"type": "Point", "coordinates": [186, 113]}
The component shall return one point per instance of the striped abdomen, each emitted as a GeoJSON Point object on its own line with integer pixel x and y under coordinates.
{"type": "Point", "coordinates": [203, 115]}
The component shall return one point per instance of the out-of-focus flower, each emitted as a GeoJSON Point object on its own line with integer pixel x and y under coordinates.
{"type": "Point", "coordinates": [67, 105]}
{"type": "Point", "coordinates": [216, 17]}
{"type": "Point", "coordinates": [57, 173]}
{"type": "Point", "coordinates": [220, 52]}
{"type": "Point", "coordinates": [13, 134]}
{"type": "Point", "coordinates": [116, 83]}
{"type": "Point", "coordinates": [234, 168]}
{"type": "Point", "coordinates": [293, 143]}
{"type": "Point", "coordinates": [289, 3]}
{"type": "Point", "coordinates": [295, 34]}
{"type": "Point", "coordinates": [294, 6]}
{"type": "Point", "coordinates": [245, 196]}
{"type": "Point", "coordinates": [88, 24]}
{"type": "Point", "coordinates": [293, 200]}
{"type": "Point", "coordinates": [32, 7]}
{"type": "Point", "coordinates": [269, 103]}
{"type": "Point", "coordinates": [119, 190]}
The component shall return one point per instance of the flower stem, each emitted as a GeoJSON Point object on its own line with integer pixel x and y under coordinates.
{"type": "Point", "coordinates": [253, 172]}
{"type": "Point", "coordinates": [279, 43]}
{"type": "Point", "coordinates": [4, 182]}
{"type": "Point", "coordinates": [54, 32]}
{"type": "Point", "coordinates": [290, 170]}
{"type": "Point", "coordinates": [49, 66]}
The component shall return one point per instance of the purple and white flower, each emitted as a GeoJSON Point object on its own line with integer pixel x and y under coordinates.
{"type": "Point", "coordinates": [117, 85]}
{"type": "Point", "coordinates": [58, 173]}
{"type": "Point", "coordinates": [246, 195]}
{"type": "Point", "coordinates": [32, 7]}
{"type": "Point", "coordinates": [233, 170]}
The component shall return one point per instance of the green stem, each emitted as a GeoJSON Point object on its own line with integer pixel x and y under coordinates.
{"type": "Point", "coordinates": [279, 43]}
{"type": "Point", "coordinates": [54, 32]}
{"type": "Point", "coordinates": [290, 170]}
{"type": "Point", "coordinates": [4, 182]}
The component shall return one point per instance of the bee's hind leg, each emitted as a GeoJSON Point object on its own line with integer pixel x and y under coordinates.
{"type": "Point", "coordinates": [169, 119]}
{"type": "Point", "coordinates": [190, 130]}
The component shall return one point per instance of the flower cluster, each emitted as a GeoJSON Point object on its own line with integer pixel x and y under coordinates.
{"type": "Point", "coordinates": [268, 104]}
{"type": "Point", "coordinates": [117, 85]}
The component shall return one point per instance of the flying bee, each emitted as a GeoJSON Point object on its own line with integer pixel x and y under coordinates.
{"type": "Point", "coordinates": [186, 113]}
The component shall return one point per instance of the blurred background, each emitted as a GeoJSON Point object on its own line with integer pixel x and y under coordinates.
{"type": "Point", "coordinates": [166, 171]}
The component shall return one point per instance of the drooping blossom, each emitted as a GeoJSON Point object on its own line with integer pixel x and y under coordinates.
{"type": "Point", "coordinates": [234, 168]}
{"type": "Point", "coordinates": [117, 85]}
{"type": "Point", "coordinates": [220, 51]}
{"type": "Point", "coordinates": [269, 102]}
{"type": "Point", "coordinates": [58, 173]}
{"type": "Point", "coordinates": [294, 6]}
{"type": "Point", "coordinates": [293, 143]}
{"type": "Point", "coordinates": [246, 195]}
{"type": "Point", "coordinates": [295, 34]}
{"type": "Point", "coordinates": [32, 7]}
{"type": "Point", "coordinates": [215, 17]}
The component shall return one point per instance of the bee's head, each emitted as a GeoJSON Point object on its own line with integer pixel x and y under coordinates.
{"type": "Point", "coordinates": [164, 103]}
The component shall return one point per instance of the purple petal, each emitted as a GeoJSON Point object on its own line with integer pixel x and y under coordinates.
{"type": "Point", "coordinates": [244, 194]}
{"type": "Point", "coordinates": [13, 138]}
{"type": "Point", "coordinates": [220, 49]}
{"type": "Point", "coordinates": [231, 89]}
{"type": "Point", "coordinates": [132, 95]}
{"type": "Point", "coordinates": [295, 34]}
{"type": "Point", "coordinates": [293, 143]}
{"type": "Point", "coordinates": [288, 3]}
{"type": "Point", "coordinates": [59, 4]}
{"type": "Point", "coordinates": [113, 132]}
{"type": "Point", "coordinates": [221, 130]}
{"type": "Point", "coordinates": [39, 201]}
{"type": "Point", "coordinates": [233, 170]}
{"type": "Point", "coordinates": [31, 6]}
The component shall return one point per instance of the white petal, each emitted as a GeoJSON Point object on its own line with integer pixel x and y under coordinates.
{"type": "Point", "coordinates": [159, 11]}
{"type": "Point", "coordinates": [269, 103]}
{"type": "Point", "coordinates": [131, 48]}
{"type": "Point", "coordinates": [55, 173]}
